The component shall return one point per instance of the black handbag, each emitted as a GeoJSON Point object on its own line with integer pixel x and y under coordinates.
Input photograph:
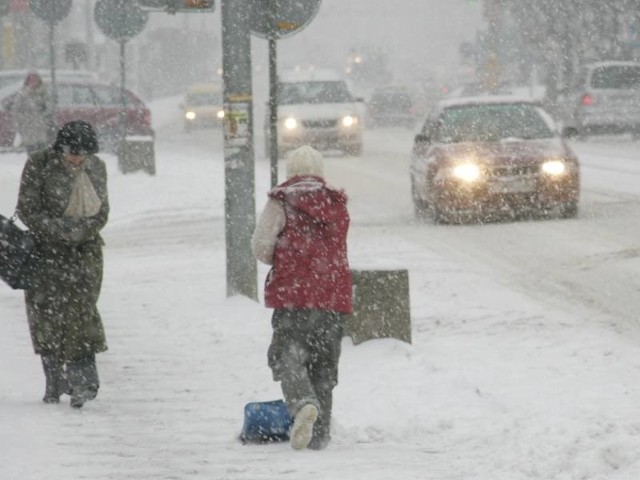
{"type": "Point", "coordinates": [18, 255]}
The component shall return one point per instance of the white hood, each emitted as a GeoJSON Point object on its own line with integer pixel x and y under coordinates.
{"type": "Point", "coordinates": [319, 111]}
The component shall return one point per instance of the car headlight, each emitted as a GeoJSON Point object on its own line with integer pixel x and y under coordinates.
{"type": "Point", "coordinates": [468, 172]}
{"type": "Point", "coordinates": [220, 114]}
{"type": "Point", "coordinates": [190, 115]}
{"type": "Point", "coordinates": [349, 121]}
{"type": "Point", "coordinates": [554, 167]}
{"type": "Point", "coordinates": [290, 123]}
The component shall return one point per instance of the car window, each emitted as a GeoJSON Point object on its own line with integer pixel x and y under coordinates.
{"type": "Point", "coordinates": [616, 77]}
{"type": "Point", "coordinates": [74, 95]}
{"type": "Point", "coordinates": [391, 100]}
{"type": "Point", "coordinates": [6, 80]}
{"type": "Point", "coordinates": [110, 96]}
{"type": "Point", "coordinates": [204, 98]}
{"type": "Point", "coordinates": [65, 95]}
{"type": "Point", "coordinates": [314, 92]}
{"type": "Point", "coordinates": [106, 96]}
{"type": "Point", "coordinates": [491, 122]}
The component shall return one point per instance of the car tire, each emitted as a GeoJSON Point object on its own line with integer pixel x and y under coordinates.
{"type": "Point", "coordinates": [569, 209]}
{"type": "Point", "coordinates": [420, 207]}
{"type": "Point", "coordinates": [439, 217]}
{"type": "Point", "coordinates": [354, 150]}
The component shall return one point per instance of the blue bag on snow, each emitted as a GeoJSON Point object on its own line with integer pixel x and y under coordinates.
{"type": "Point", "coordinates": [265, 422]}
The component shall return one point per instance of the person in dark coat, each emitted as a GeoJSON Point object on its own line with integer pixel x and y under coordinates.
{"type": "Point", "coordinates": [63, 200]}
{"type": "Point", "coordinates": [32, 113]}
{"type": "Point", "coordinates": [302, 233]}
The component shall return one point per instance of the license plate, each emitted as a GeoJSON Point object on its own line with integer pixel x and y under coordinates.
{"type": "Point", "coordinates": [513, 185]}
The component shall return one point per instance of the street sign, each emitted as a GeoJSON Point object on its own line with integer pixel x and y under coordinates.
{"type": "Point", "coordinates": [276, 19]}
{"type": "Point", "coordinates": [119, 19]}
{"type": "Point", "coordinates": [180, 6]}
{"type": "Point", "coordinates": [51, 11]}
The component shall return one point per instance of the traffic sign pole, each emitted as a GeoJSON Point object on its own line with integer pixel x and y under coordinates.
{"type": "Point", "coordinates": [239, 168]}
{"type": "Point", "coordinates": [273, 92]}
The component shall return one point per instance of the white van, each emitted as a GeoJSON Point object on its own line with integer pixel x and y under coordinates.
{"type": "Point", "coordinates": [603, 99]}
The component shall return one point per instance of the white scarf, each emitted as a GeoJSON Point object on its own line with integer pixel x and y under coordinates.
{"type": "Point", "coordinates": [84, 201]}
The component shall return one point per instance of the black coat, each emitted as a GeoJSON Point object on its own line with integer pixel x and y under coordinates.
{"type": "Point", "coordinates": [61, 306]}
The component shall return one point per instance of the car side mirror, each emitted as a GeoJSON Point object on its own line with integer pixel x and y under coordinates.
{"type": "Point", "coordinates": [567, 132]}
{"type": "Point", "coordinates": [421, 143]}
{"type": "Point", "coordinates": [421, 139]}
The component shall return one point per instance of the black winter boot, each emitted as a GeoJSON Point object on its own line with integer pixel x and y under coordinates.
{"type": "Point", "coordinates": [54, 377]}
{"type": "Point", "coordinates": [83, 380]}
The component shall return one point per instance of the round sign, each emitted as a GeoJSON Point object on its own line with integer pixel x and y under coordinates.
{"type": "Point", "coordinates": [51, 11]}
{"type": "Point", "coordinates": [119, 19]}
{"type": "Point", "coordinates": [286, 18]}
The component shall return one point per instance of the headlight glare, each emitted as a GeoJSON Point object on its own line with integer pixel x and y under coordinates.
{"type": "Point", "coordinates": [290, 123]}
{"type": "Point", "coordinates": [469, 172]}
{"type": "Point", "coordinates": [220, 114]}
{"type": "Point", "coordinates": [554, 167]}
{"type": "Point", "coordinates": [349, 121]}
{"type": "Point", "coordinates": [190, 115]}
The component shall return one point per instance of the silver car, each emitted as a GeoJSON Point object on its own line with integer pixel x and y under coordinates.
{"type": "Point", "coordinates": [603, 99]}
{"type": "Point", "coordinates": [316, 108]}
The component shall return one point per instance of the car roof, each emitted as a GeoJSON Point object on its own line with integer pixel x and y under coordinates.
{"type": "Point", "coordinates": [21, 74]}
{"type": "Point", "coordinates": [204, 88]}
{"type": "Point", "coordinates": [310, 75]}
{"type": "Point", "coordinates": [487, 100]}
{"type": "Point", "coordinates": [17, 86]}
{"type": "Point", "coordinates": [612, 63]}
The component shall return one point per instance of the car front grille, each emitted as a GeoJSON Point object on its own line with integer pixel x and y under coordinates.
{"type": "Point", "coordinates": [331, 123]}
{"type": "Point", "coordinates": [514, 170]}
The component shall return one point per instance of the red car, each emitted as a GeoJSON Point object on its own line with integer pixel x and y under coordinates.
{"type": "Point", "coordinates": [475, 157]}
{"type": "Point", "coordinates": [94, 102]}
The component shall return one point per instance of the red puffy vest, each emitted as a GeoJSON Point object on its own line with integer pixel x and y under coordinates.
{"type": "Point", "coordinates": [310, 266]}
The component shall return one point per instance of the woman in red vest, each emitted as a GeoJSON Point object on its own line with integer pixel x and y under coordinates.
{"type": "Point", "coordinates": [302, 234]}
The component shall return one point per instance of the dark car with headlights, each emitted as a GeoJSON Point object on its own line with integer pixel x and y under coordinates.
{"type": "Point", "coordinates": [475, 157]}
{"type": "Point", "coordinates": [391, 106]}
{"type": "Point", "coordinates": [316, 108]}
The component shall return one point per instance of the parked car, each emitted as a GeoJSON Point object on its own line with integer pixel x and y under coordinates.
{"type": "Point", "coordinates": [391, 106]}
{"type": "Point", "coordinates": [317, 109]}
{"type": "Point", "coordinates": [94, 102]}
{"type": "Point", "coordinates": [203, 107]}
{"type": "Point", "coordinates": [475, 157]}
{"type": "Point", "coordinates": [604, 98]}
{"type": "Point", "coordinates": [9, 77]}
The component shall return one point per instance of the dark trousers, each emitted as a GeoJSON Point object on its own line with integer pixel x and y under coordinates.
{"type": "Point", "coordinates": [304, 355]}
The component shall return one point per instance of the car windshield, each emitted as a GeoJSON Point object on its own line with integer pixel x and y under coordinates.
{"type": "Point", "coordinates": [204, 98]}
{"type": "Point", "coordinates": [398, 101]}
{"type": "Point", "coordinates": [618, 77]}
{"type": "Point", "coordinates": [492, 122]}
{"type": "Point", "coordinates": [314, 92]}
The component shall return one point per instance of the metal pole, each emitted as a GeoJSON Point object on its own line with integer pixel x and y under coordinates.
{"type": "Point", "coordinates": [123, 101]}
{"type": "Point", "coordinates": [273, 92]}
{"type": "Point", "coordinates": [239, 167]}
{"type": "Point", "coordinates": [52, 60]}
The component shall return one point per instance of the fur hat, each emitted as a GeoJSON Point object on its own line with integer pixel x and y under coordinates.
{"type": "Point", "coordinates": [78, 138]}
{"type": "Point", "coordinates": [305, 161]}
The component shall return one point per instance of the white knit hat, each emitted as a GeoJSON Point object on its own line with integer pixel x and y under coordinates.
{"type": "Point", "coordinates": [304, 161]}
